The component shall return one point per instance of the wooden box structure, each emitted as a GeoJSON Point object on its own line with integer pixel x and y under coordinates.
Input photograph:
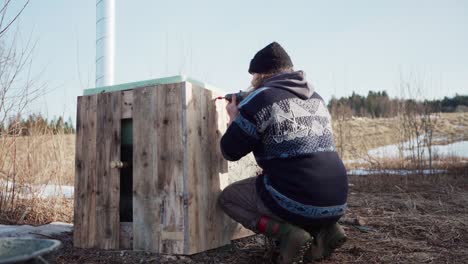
{"type": "Point", "coordinates": [149, 168]}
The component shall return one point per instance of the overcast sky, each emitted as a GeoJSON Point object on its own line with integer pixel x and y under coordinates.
{"type": "Point", "coordinates": [343, 46]}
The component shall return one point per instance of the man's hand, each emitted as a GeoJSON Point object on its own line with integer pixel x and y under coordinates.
{"type": "Point", "coordinates": [232, 109]}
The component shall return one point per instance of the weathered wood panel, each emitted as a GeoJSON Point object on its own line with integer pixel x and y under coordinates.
{"type": "Point", "coordinates": [126, 236]}
{"type": "Point", "coordinates": [108, 179]}
{"type": "Point", "coordinates": [127, 104]}
{"type": "Point", "coordinates": [178, 170]}
{"type": "Point", "coordinates": [158, 169]}
{"type": "Point", "coordinates": [207, 172]}
{"type": "Point", "coordinates": [85, 173]}
{"type": "Point", "coordinates": [197, 171]}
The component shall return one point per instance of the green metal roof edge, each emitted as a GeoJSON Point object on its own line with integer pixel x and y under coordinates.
{"type": "Point", "coordinates": [134, 85]}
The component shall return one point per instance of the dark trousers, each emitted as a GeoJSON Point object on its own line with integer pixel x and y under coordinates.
{"type": "Point", "coordinates": [242, 203]}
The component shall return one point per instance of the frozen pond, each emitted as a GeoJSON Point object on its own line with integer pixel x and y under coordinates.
{"type": "Point", "coordinates": [459, 149]}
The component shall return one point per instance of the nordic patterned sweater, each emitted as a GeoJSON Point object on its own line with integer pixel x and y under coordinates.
{"type": "Point", "coordinates": [288, 127]}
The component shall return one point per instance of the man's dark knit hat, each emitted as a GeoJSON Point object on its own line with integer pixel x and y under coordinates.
{"type": "Point", "coordinates": [270, 59]}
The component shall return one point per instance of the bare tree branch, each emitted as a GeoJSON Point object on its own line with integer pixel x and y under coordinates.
{"type": "Point", "coordinates": [18, 88]}
{"type": "Point", "coordinates": [4, 30]}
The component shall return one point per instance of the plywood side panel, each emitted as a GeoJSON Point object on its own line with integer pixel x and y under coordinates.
{"type": "Point", "coordinates": [207, 172]}
{"type": "Point", "coordinates": [197, 172]}
{"type": "Point", "coordinates": [108, 179]}
{"type": "Point", "coordinates": [158, 169]}
{"type": "Point", "coordinates": [84, 234]}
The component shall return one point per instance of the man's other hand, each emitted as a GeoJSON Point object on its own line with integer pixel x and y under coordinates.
{"type": "Point", "coordinates": [232, 109]}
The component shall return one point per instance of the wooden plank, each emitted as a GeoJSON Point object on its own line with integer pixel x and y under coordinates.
{"type": "Point", "coordinates": [210, 188]}
{"type": "Point", "coordinates": [127, 104]}
{"type": "Point", "coordinates": [85, 173]}
{"type": "Point", "coordinates": [146, 202]}
{"type": "Point", "coordinates": [126, 235]}
{"type": "Point", "coordinates": [108, 179]}
{"type": "Point", "coordinates": [170, 168]}
{"type": "Point", "coordinates": [158, 169]}
{"type": "Point", "coordinates": [78, 201]}
{"type": "Point", "coordinates": [195, 165]}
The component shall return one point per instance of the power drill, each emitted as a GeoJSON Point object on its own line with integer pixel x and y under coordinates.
{"type": "Point", "coordinates": [241, 95]}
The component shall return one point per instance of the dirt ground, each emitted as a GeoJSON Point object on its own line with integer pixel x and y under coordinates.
{"type": "Point", "coordinates": [391, 219]}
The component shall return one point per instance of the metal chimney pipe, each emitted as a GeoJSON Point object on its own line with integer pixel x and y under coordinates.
{"type": "Point", "coordinates": [105, 42]}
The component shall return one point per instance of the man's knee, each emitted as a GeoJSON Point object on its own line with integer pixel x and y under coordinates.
{"type": "Point", "coordinates": [237, 194]}
{"type": "Point", "coordinates": [225, 198]}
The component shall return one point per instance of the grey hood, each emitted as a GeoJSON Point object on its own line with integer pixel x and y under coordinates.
{"type": "Point", "coordinates": [294, 82]}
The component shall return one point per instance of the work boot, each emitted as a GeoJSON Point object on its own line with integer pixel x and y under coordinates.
{"type": "Point", "coordinates": [294, 242]}
{"type": "Point", "coordinates": [327, 239]}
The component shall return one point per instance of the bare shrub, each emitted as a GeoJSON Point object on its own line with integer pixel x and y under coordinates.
{"type": "Point", "coordinates": [27, 163]}
{"type": "Point", "coordinates": [32, 171]}
{"type": "Point", "coordinates": [341, 114]}
{"type": "Point", "coordinates": [416, 123]}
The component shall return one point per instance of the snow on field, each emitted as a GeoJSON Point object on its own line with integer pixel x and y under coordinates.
{"type": "Point", "coordinates": [41, 191]}
{"type": "Point", "coordinates": [47, 191]}
{"type": "Point", "coordinates": [459, 149]}
{"type": "Point", "coordinates": [394, 172]}
{"type": "Point", "coordinates": [27, 231]}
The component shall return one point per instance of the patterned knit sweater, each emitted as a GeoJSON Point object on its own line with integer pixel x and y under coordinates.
{"type": "Point", "coordinates": [288, 127]}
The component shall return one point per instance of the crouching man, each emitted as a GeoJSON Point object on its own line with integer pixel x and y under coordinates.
{"type": "Point", "coordinates": [303, 189]}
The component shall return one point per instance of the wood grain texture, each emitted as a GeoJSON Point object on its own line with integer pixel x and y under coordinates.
{"type": "Point", "coordinates": [108, 179]}
{"type": "Point", "coordinates": [127, 104]}
{"type": "Point", "coordinates": [178, 170]}
{"type": "Point", "coordinates": [85, 173]}
{"type": "Point", "coordinates": [126, 236]}
{"type": "Point", "coordinates": [207, 172]}
{"type": "Point", "coordinates": [146, 202]}
{"type": "Point", "coordinates": [158, 169]}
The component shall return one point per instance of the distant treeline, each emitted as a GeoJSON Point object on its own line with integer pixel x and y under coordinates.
{"type": "Point", "coordinates": [36, 124]}
{"type": "Point", "coordinates": [379, 104]}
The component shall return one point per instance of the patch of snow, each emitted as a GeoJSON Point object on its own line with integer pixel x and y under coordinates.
{"type": "Point", "coordinates": [40, 191]}
{"type": "Point", "coordinates": [359, 161]}
{"type": "Point", "coordinates": [393, 172]}
{"type": "Point", "coordinates": [48, 191]}
{"type": "Point", "coordinates": [27, 231]}
{"type": "Point", "coordinates": [459, 149]}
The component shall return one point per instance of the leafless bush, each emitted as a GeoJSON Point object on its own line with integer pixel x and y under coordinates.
{"type": "Point", "coordinates": [416, 123]}
{"type": "Point", "coordinates": [27, 164]}
{"type": "Point", "coordinates": [32, 171]}
{"type": "Point", "coordinates": [341, 114]}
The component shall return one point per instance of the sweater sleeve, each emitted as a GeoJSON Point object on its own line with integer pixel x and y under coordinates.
{"type": "Point", "coordinates": [240, 138]}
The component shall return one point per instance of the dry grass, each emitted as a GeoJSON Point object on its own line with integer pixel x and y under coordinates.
{"type": "Point", "coordinates": [39, 211]}
{"type": "Point", "coordinates": [27, 165]}
{"type": "Point", "coordinates": [39, 159]}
